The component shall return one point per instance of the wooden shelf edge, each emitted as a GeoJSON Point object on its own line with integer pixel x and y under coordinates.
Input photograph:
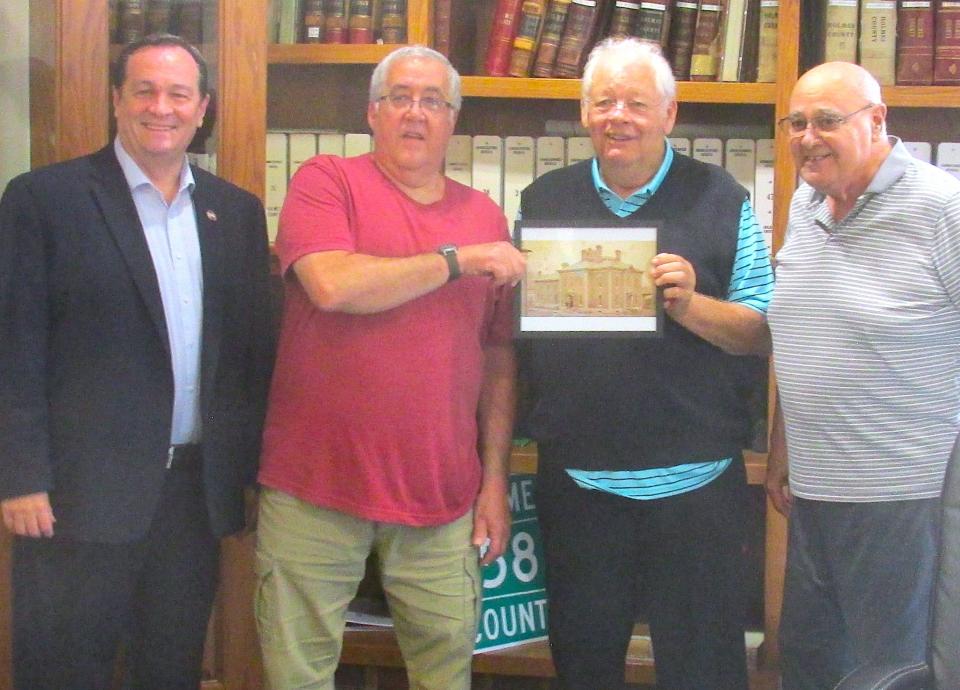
{"type": "Point", "coordinates": [328, 53]}
{"type": "Point", "coordinates": [922, 96]}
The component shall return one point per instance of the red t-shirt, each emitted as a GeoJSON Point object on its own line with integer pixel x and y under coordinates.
{"type": "Point", "coordinates": [375, 415]}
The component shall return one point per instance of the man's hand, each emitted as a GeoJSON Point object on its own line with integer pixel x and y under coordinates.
{"type": "Point", "coordinates": [500, 260]}
{"type": "Point", "coordinates": [676, 276]}
{"type": "Point", "coordinates": [491, 521]}
{"type": "Point", "coordinates": [29, 515]}
{"type": "Point", "coordinates": [778, 488]}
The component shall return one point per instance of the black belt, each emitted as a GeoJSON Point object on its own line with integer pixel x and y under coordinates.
{"type": "Point", "coordinates": [186, 456]}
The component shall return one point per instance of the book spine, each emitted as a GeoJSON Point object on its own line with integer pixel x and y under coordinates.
{"type": "Point", "coordinates": [767, 41]}
{"type": "Point", "coordinates": [528, 33]}
{"type": "Point", "coordinates": [190, 21]}
{"type": "Point", "coordinates": [705, 61]}
{"type": "Point", "coordinates": [361, 22]}
{"type": "Point", "coordinates": [550, 38]}
{"type": "Point", "coordinates": [878, 34]}
{"type": "Point", "coordinates": [335, 28]}
{"type": "Point", "coordinates": [314, 22]}
{"type": "Point", "coordinates": [652, 22]}
{"type": "Point", "coordinates": [132, 21]}
{"type": "Point", "coordinates": [623, 21]}
{"type": "Point", "coordinates": [749, 43]}
{"type": "Point", "coordinates": [946, 63]}
{"type": "Point", "coordinates": [682, 28]}
{"type": "Point", "coordinates": [915, 42]}
{"type": "Point", "coordinates": [500, 44]}
{"type": "Point", "coordinates": [840, 36]}
{"type": "Point", "coordinates": [576, 36]}
{"type": "Point", "coordinates": [158, 16]}
{"type": "Point", "coordinates": [442, 10]}
{"type": "Point", "coordinates": [731, 45]}
{"type": "Point", "coordinates": [393, 21]}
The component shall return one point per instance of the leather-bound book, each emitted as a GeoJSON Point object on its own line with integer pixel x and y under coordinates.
{"type": "Point", "coordinates": [878, 39]}
{"type": "Point", "coordinates": [335, 13]}
{"type": "Point", "coordinates": [190, 21]}
{"type": "Point", "coordinates": [132, 21]}
{"type": "Point", "coordinates": [683, 24]}
{"type": "Point", "coordinates": [360, 22]}
{"type": "Point", "coordinates": [653, 24]}
{"type": "Point", "coordinates": [767, 41]}
{"type": "Point", "coordinates": [946, 51]}
{"type": "Point", "coordinates": [623, 20]}
{"type": "Point", "coordinates": [532, 15]}
{"type": "Point", "coordinates": [158, 16]}
{"type": "Point", "coordinates": [393, 21]}
{"type": "Point", "coordinates": [915, 42]}
{"type": "Point", "coordinates": [314, 22]}
{"type": "Point", "coordinates": [454, 32]}
{"type": "Point", "coordinates": [840, 34]}
{"type": "Point", "coordinates": [707, 42]}
{"type": "Point", "coordinates": [506, 17]}
{"type": "Point", "coordinates": [550, 38]}
{"type": "Point", "coordinates": [582, 18]}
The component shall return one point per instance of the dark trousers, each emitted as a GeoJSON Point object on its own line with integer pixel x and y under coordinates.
{"type": "Point", "coordinates": [680, 557]}
{"type": "Point", "coordinates": [75, 603]}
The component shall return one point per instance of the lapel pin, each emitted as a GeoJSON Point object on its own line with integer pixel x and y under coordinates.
{"type": "Point", "coordinates": [211, 215]}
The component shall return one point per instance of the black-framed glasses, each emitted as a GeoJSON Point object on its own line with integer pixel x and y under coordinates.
{"type": "Point", "coordinates": [795, 125]}
{"type": "Point", "coordinates": [403, 101]}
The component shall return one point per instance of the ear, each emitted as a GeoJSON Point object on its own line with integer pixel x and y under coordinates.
{"type": "Point", "coordinates": [584, 111]}
{"type": "Point", "coordinates": [671, 117]}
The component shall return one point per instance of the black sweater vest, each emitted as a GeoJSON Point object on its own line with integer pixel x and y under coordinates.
{"type": "Point", "coordinates": [629, 403]}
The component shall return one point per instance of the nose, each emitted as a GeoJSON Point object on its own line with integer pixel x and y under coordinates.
{"type": "Point", "coordinates": [161, 104]}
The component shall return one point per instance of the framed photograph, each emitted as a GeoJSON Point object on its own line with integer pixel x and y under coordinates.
{"type": "Point", "coordinates": [587, 280]}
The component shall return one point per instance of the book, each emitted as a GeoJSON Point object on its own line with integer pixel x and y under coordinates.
{"type": "Point", "coordinates": [314, 21]}
{"type": "Point", "coordinates": [454, 31]}
{"type": "Point", "coordinates": [683, 24]}
{"type": "Point", "coordinates": [708, 150]}
{"type": "Point", "coordinates": [680, 145]}
{"type": "Point", "coordinates": [287, 21]}
{"type": "Point", "coordinates": [734, 24]}
{"type": "Point", "coordinates": [519, 167]}
{"type": "Point", "coordinates": [878, 39]}
{"type": "Point", "coordinates": [749, 42]}
{"type": "Point", "coordinates": [356, 144]}
{"type": "Point", "coordinates": [946, 47]}
{"type": "Point", "coordinates": [582, 16]}
{"type": "Point", "coordinates": [767, 41]}
{"type": "Point", "coordinates": [487, 166]}
{"type": "Point", "coordinates": [920, 150]}
{"type": "Point", "coordinates": [189, 21]}
{"type": "Point", "coordinates": [158, 16]}
{"type": "Point", "coordinates": [763, 189]}
{"type": "Point", "coordinates": [740, 160]}
{"type": "Point", "coordinates": [550, 38]}
{"type": "Point", "coordinates": [458, 163]}
{"type": "Point", "coordinates": [532, 14]}
{"type": "Point", "coordinates": [550, 154]}
{"type": "Point", "coordinates": [131, 21]}
{"type": "Point", "coordinates": [705, 59]}
{"type": "Point", "coordinates": [915, 42]}
{"type": "Point", "coordinates": [276, 180]}
{"type": "Point", "coordinates": [360, 23]}
{"type": "Point", "coordinates": [579, 149]}
{"type": "Point", "coordinates": [948, 157]}
{"type": "Point", "coordinates": [623, 19]}
{"type": "Point", "coordinates": [301, 147]}
{"type": "Point", "coordinates": [506, 16]}
{"type": "Point", "coordinates": [840, 31]}
{"type": "Point", "coordinates": [653, 23]}
{"type": "Point", "coordinates": [335, 28]}
{"type": "Point", "coordinates": [330, 143]}
{"type": "Point", "coordinates": [393, 21]}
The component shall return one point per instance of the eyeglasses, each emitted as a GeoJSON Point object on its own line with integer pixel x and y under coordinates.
{"type": "Point", "coordinates": [402, 102]}
{"type": "Point", "coordinates": [795, 125]}
{"type": "Point", "coordinates": [608, 105]}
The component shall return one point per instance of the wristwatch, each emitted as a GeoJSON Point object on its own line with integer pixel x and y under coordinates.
{"type": "Point", "coordinates": [449, 252]}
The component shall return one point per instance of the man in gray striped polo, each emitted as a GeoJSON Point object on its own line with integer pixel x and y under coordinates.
{"type": "Point", "coordinates": [866, 331]}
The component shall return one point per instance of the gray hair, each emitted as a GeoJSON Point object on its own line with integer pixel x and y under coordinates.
{"type": "Point", "coordinates": [629, 50]}
{"type": "Point", "coordinates": [379, 78]}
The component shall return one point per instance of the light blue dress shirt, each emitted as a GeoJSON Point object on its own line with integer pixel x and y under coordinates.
{"type": "Point", "coordinates": [171, 234]}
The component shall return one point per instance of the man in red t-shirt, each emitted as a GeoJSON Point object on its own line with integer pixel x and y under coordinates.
{"type": "Point", "coordinates": [392, 403]}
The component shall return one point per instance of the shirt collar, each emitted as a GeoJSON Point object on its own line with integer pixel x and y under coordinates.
{"type": "Point", "coordinates": [640, 196]}
{"type": "Point", "coordinates": [136, 178]}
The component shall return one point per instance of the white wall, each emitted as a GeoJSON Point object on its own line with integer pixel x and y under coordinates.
{"type": "Point", "coordinates": [14, 89]}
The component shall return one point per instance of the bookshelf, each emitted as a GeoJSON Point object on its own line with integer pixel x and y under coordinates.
{"type": "Point", "coordinates": [290, 86]}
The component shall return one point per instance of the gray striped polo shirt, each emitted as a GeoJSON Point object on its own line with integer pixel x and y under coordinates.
{"type": "Point", "coordinates": [866, 336]}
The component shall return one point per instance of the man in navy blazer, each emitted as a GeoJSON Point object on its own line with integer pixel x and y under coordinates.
{"type": "Point", "coordinates": [135, 352]}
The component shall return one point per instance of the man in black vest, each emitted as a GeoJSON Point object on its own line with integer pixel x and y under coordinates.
{"type": "Point", "coordinates": [641, 479]}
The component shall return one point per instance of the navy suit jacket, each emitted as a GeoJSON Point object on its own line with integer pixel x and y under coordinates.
{"type": "Point", "coordinates": [86, 387]}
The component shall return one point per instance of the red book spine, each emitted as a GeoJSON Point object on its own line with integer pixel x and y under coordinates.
{"type": "Point", "coordinates": [500, 45]}
{"type": "Point", "coordinates": [441, 26]}
{"type": "Point", "coordinates": [946, 54]}
{"type": "Point", "coordinates": [915, 42]}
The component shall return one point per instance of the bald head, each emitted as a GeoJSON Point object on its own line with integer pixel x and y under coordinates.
{"type": "Point", "coordinates": [842, 77]}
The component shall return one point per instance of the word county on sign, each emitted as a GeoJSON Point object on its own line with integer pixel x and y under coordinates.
{"type": "Point", "coordinates": [514, 596]}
